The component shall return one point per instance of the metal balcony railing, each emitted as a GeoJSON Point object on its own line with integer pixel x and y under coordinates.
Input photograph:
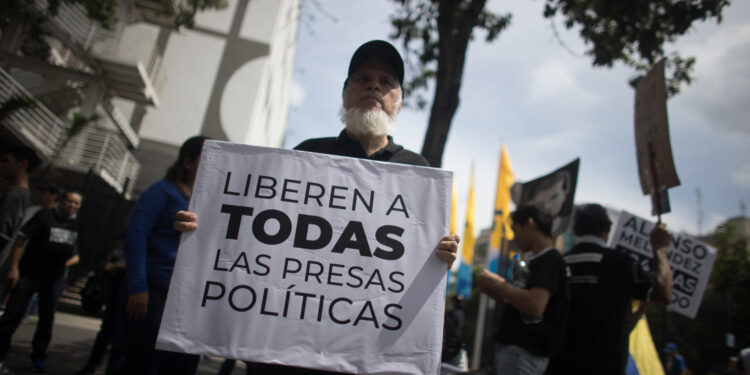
{"type": "Point", "coordinates": [72, 18]}
{"type": "Point", "coordinates": [37, 126]}
{"type": "Point", "coordinates": [89, 37]}
{"type": "Point", "coordinates": [159, 12]}
{"type": "Point", "coordinates": [95, 149]}
{"type": "Point", "coordinates": [105, 153]}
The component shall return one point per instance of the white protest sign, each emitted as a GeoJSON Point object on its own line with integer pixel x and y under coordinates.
{"type": "Point", "coordinates": [691, 261]}
{"type": "Point", "coordinates": [311, 260]}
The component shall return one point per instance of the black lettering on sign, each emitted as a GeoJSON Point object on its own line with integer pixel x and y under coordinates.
{"type": "Point", "coordinates": [226, 186]}
{"type": "Point", "coordinates": [684, 283]}
{"type": "Point", "coordinates": [626, 238]}
{"type": "Point", "coordinates": [235, 218]}
{"type": "Point", "coordinates": [397, 248]}
{"type": "Point", "coordinates": [353, 237]}
{"type": "Point", "coordinates": [392, 316]}
{"type": "Point", "coordinates": [259, 227]}
{"type": "Point", "coordinates": [216, 295]}
{"type": "Point", "coordinates": [630, 224]}
{"type": "Point", "coordinates": [680, 300]}
{"type": "Point", "coordinates": [301, 236]}
{"type": "Point", "coordinates": [265, 184]}
{"type": "Point", "coordinates": [399, 200]}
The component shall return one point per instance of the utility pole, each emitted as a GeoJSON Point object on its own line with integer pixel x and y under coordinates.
{"type": "Point", "coordinates": [699, 198]}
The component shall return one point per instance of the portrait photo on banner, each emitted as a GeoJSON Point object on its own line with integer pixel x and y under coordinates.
{"type": "Point", "coordinates": [553, 193]}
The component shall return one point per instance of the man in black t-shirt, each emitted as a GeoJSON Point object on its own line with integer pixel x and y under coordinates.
{"type": "Point", "coordinates": [52, 246]}
{"type": "Point", "coordinates": [15, 165]}
{"type": "Point", "coordinates": [533, 322]}
{"type": "Point", "coordinates": [603, 282]}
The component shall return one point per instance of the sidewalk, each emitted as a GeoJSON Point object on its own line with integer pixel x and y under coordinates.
{"type": "Point", "coordinates": [72, 339]}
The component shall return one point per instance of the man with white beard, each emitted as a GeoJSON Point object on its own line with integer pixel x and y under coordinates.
{"type": "Point", "coordinates": [372, 99]}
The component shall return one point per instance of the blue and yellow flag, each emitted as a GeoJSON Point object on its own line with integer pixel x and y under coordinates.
{"type": "Point", "coordinates": [643, 358]}
{"type": "Point", "coordinates": [463, 285]}
{"type": "Point", "coordinates": [501, 213]}
{"type": "Point", "coordinates": [454, 207]}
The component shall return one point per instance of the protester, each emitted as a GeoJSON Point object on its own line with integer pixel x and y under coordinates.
{"type": "Point", "coordinates": [533, 320]}
{"type": "Point", "coordinates": [52, 247]}
{"type": "Point", "coordinates": [372, 99]}
{"type": "Point", "coordinates": [48, 197]}
{"type": "Point", "coordinates": [150, 251]}
{"type": "Point", "coordinates": [454, 355]}
{"type": "Point", "coordinates": [602, 283]}
{"type": "Point", "coordinates": [15, 165]}
{"type": "Point", "coordinates": [112, 276]}
{"type": "Point", "coordinates": [675, 361]}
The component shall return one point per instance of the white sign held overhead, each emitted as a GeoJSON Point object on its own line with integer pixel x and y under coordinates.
{"type": "Point", "coordinates": [311, 260]}
{"type": "Point", "coordinates": [691, 261]}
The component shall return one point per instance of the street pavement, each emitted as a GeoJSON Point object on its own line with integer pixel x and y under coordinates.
{"type": "Point", "coordinates": [72, 339]}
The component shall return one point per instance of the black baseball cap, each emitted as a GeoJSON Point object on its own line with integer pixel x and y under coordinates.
{"type": "Point", "coordinates": [380, 51]}
{"type": "Point", "coordinates": [591, 218]}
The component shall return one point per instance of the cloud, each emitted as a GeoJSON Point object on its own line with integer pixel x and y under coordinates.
{"type": "Point", "coordinates": [550, 80]}
{"type": "Point", "coordinates": [741, 176]}
{"type": "Point", "coordinates": [555, 82]}
{"type": "Point", "coordinates": [297, 94]}
{"type": "Point", "coordinates": [721, 89]}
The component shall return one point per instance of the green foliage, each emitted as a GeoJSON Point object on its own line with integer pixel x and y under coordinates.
{"type": "Point", "coordinates": [33, 21]}
{"type": "Point", "coordinates": [725, 308]}
{"type": "Point", "coordinates": [423, 27]}
{"type": "Point", "coordinates": [13, 104]}
{"type": "Point", "coordinates": [731, 277]}
{"type": "Point", "coordinates": [80, 122]}
{"type": "Point", "coordinates": [634, 32]}
{"type": "Point", "coordinates": [185, 14]}
{"type": "Point", "coordinates": [102, 11]}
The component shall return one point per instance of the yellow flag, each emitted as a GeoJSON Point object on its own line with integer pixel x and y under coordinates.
{"type": "Point", "coordinates": [467, 251]}
{"type": "Point", "coordinates": [502, 201]}
{"type": "Point", "coordinates": [642, 350]}
{"type": "Point", "coordinates": [454, 206]}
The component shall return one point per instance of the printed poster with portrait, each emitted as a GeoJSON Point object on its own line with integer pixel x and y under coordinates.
{"type": "Point", "coordinates": [311, 260]}
{"type": "Point", "coordinates": [553, 193]}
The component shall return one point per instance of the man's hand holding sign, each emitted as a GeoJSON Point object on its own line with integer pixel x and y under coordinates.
{"type": "Point", "coordinates": [312, 269]}
{"type": "Point", "coordinates": [446, 250]}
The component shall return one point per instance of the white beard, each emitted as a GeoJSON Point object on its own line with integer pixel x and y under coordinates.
{"type": "Point", "coordinates": [374, 122]}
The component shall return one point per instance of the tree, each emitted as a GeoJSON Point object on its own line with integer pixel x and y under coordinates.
{"type": "Point", "coordinates": [441, 31]}
{"type": "Point", "coordinates": [725, 308]}
{"type": "Point", "coordinates": [437, 34]}
{"type": "Point", "coordinates": [634, 32]}
{"type": "Point", "coordinates": [22, 17]}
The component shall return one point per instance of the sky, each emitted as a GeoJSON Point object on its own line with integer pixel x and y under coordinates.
{"type": "Point", "coordinates": [539, 95]}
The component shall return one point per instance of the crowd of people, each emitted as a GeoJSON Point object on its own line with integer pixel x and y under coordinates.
{"type": "Point", "coordinates": [568, 308]}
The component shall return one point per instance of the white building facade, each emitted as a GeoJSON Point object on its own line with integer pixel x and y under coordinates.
{"type": "Point", "coordinates": [227, 78]}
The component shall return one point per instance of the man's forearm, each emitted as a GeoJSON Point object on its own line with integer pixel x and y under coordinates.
{"type": "Point", "coordinates": [15, 256]}
{"type": "Point", "coordinates": [521, 299]}
{"type": "Point", "coordinates": [72, 260]}
{"type": "Point", "coordinates": [662, 290]}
